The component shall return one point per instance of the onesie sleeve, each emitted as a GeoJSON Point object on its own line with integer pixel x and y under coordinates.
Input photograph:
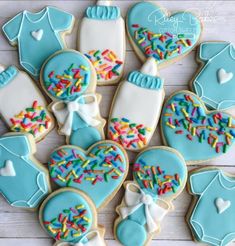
{"type": "Point", "coordinates": [12, 28]}
{"type": "Point", "coordinates": [199, 181]}
{"type": "Point", "coordinates": [59, 19]}
{"type": "Point", "coordinates": [208, 50]}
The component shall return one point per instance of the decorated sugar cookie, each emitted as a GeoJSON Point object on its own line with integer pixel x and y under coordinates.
{"type": "Point", "coordinates": [215, 81]}
{"type": "Point", "coordinates": [198, 134]}
{"type": "Point", "coordinates": [69, 216]}
{"type": "Point", "coordinates": [22, 106]}
{"type": "Point", "coordinates": [155, 33]}
{"type": "Point", "coordinates": [69, 79]}
{"type": "Point", "coordinates": [99, 172]}
{"type": "Point", "coordinates": [160, 175]}
{"type": "Point", "coordinates": [211, 214]}
{"type": "Point", "coordinates": [38, 35]}
{"type": "Point", "coordinates": [136, 107]}
{"type": "Point", "coordinates": [24, 181]}
{"type": "Point", "coordinates": [102, 40]}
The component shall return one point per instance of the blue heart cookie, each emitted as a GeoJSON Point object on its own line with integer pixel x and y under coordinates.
{"type": "Point", "coordinates": [197, 134]}
{"type": "Point", "coordinates": [99, 172]}
{"type": "Point", "coordinates": [155, 34]}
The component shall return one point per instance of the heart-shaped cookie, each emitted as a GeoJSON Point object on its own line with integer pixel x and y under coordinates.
{"type": "Point", "coordinates": [99, 172]}
{"type": "Point", "coordinates": [199, 135]}
{"type": "Point", "coordinates": [153, 32]}
{"type": "Point", "coordinates": [161, 172]}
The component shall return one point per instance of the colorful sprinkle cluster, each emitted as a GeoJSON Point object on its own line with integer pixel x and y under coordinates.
{"type": "Point", "coordinates": [33, 120]}
{"type": "Point", "coordinates": [72, 222]}
{"type": "Point", "coordinates": [158, 45]}
{"type": "Point", "coordinates": [70, 167]}
{"type": "Point", "coordinates": [185, 117]}
{"type": "Point", "coordinates": [129, 135]}
{"type": "Point", "coordinates": [156, 179]}
{"type": "Point", "coordinates": [106, 63]}
{"type": "Point", "coordinates": [72, 81]}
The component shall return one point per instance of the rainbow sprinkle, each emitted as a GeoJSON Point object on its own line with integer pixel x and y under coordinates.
{"type": "Point", "coordinates": [129, 135]}
{"type": "Point", "coordinates": [154, 178]}
{"type": "Point", "coordinates": [158, 45]}
{"type": "Point", "coordinates": [186, 117]}
{"type": "Point", "coordinates": [71, 168]}
{"type": "Point", "coordinates": [72, 81]}
{"type": "Point", "coordinates": [32, 120]}
{"type": "Point", "coordinates": [72, 222]}
{"type": "Point", "coordinates": [106, 63]}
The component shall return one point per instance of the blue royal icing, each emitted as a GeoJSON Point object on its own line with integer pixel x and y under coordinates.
{"type": "Point", "coordinates": [212, 217]}
{"type": "Point", "coordinates": [8, 75]}
{"type": "Point", "coordinates": [163, 37]}
{"type": "Point", "coordinates": [215, 82]}
{"type": "Point", "coordinates": [37, 35]}
{"type": "Point", "coordinates": [99, 12]}
{"type": "Point", "coordinates": [99, 173]}
{"type": "Point", "coordinates": [22, 182]}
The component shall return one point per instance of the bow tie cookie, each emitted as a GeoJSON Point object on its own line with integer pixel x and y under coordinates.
{"type": "Point", "coordinates": [24, 182]}
{"type": "Point", "coordinates": [99, 172]}
{"type": "Point", "coordinates": [22, 105]}
{"type": "Point", "coordinates": [160, 175]}
{"type": "Point", "coordinates": [38, 36]}
{"type": "Point", "coordinates": [154, 33]}
{"type": "Point", "coordinates": [136, 108]}
{"type": "Point", "coordinates": [69, 78]}
{"type": "Point", "coordinates": [102, 40]}
{"type": "Point", "coordinates": [70, 217]}
{"type": "Point", "coordinates": [211, 214]}
{"type": "Point", "coordinates": [198, 134]}
{"type": "Point", "coordinates": [215, 81]}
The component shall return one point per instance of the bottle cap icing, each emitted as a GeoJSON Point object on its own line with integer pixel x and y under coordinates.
{"type": "Point", "coordinates": [103, 11]}
{"type": "Point", "coordinates": [146, 77]}
{"type": "Point", "coordinates": [6, 75]}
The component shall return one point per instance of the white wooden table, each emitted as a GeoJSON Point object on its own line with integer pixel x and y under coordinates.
{"type": "Point", "coordinates": [21, 228]}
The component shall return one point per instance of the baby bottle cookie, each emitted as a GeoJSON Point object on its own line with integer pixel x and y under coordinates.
{"type": "Point", "coordinates": [215, 81]}
{"type": "Point", "coordinates": [70, 217]}
{"type": "Point", "coordinates": [136, 108]}
{"type": "Point", "coordinates": [38, 35]}
{"type": "Point", "coordinates": [70, 80]}
{"type": "Point", "coordinates": [102, 40]}
{"type": "Point", "coordinates": [24, 181]}
{"type": "Point", "coordinates": [22, 105]}
{"type": "Point", "coordinates": [160, 175]}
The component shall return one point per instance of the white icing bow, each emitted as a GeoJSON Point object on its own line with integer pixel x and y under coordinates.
{"type": "Point", "coordinates": [93, 239]}
{"type": "Point", "coordinates": [153, 212]}
{"type": "Point", "coordinates": [87, 111]}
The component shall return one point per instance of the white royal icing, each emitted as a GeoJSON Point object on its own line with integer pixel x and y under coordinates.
{"type": "Point", "coordinates": [222, 205]}
{"type": "Point", "coordinates": [224, 76]}
{"type": "Point", "coordinates": [8, 170]}
{"type": "Point", "coordinates": [37, 34]}
{"type": "Point", "coordinates": [149, 67]}
{"type": "Point", "coordinates": [103, 3]}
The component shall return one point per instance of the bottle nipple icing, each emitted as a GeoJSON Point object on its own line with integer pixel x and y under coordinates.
{"type": "Point", "coordinates": [150, 67]}
{"type": "Point", "coordinates": [103, 3]}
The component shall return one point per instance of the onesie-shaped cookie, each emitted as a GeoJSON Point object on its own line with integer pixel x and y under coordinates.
{"type": "Point", "coordinates": [99, 171]}
{"type": "Point", "coordinates": [24, 181]}
{"type": "Point", "coordinates": [69, 79]}
{"type": "Point", "coordinates": [102, 40]}
{"type": "Point", "coordinates": [38, 35]}
{"type": "Point", "coordinates": [22, 105]}
{"type": "Point", "coordinates": [160, 175]}
{"type": "Point", "coordinates": [212, 212]}
{"type": "Point", "coordinates": [215, 81]}
{"type": "Point", "coordinates": [136, 108]}
{"type": "Point", "coordinates": [70, 217]}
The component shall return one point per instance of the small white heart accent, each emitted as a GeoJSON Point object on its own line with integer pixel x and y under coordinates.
{"type": "Point", "coordinates": [223, 76]}
{"type": "Point", "coordinates": [8, 169]}
{"type": "Point", "coordinates": [37, 34]}
{"type": "Point", "coordinates": [222, 205]}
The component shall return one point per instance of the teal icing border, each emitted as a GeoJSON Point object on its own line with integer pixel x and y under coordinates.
{"type": "Point", "coordinates": [145, 81]}
{"type": "Point", "coordinates": [7, 75]}
{"type": "Point", "coordinates": [103, 12]}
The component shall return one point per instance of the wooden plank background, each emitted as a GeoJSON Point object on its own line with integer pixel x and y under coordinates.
{"type": "Point", "coordinates": [20, 227]}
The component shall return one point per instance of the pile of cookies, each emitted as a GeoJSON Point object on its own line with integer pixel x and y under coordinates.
{"type": "Point", "coordinates": [195, 126]}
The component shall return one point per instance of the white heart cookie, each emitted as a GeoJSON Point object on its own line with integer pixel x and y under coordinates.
{"type": "Point", "coordinates": [222, 205]}
{"type": "Point", "coordinates": [8, 169]}
{"type": "Point", "coordinates": [223, 76]}
{"type": "Point", "coordinates": [37, 34]}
